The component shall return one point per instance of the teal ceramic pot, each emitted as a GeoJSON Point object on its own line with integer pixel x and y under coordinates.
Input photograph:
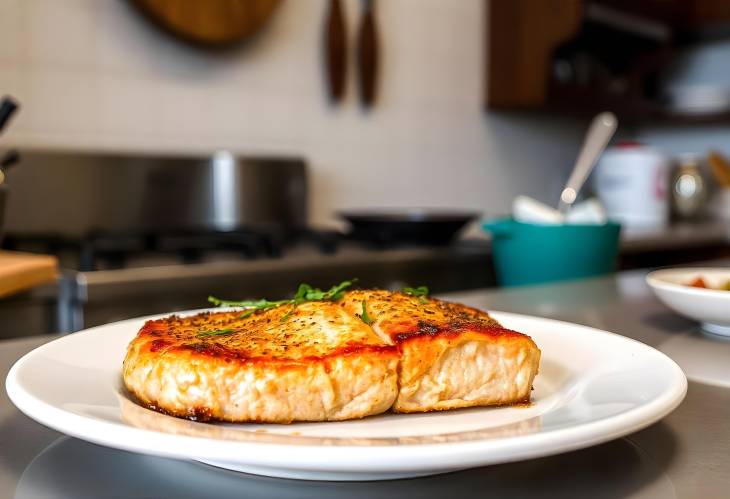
{"type": "Point", "coordinates": [530, 253]}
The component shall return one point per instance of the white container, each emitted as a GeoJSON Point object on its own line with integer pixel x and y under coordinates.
{"type": "Point", "coordinates": [531, 211]}
{"type": "Point", "coordinates": [632, 182]}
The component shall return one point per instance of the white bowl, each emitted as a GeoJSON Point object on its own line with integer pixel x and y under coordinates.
{"type": "Point", "coordinates": [711, 307]}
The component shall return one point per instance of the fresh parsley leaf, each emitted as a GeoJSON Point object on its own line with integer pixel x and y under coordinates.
{"type": "Point", "coordinates": [308, 293]}
{"type": "Point", "coordinates": [365, 316]}
{"type": "Point", "coordinates": [303, 292]}
{"type": "Point", "coordinates": [421, 292]}
{"type": "Point", "coordinates": [216, 332]}
{"type": "Point", "coordinates": [336, 292]}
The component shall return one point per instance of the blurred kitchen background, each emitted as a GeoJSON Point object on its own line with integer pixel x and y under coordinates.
{"type": "Point", "coordinates": [172, 149]}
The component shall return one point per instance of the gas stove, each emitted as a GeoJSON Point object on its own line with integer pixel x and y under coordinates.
{"type": "Point", "coordinates": [107, 250]}
{"type": "Point", "coordinates": [148, 282]}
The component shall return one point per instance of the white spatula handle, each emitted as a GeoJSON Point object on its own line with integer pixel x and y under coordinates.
{"type": "Point", "coordinates": [600, 132]}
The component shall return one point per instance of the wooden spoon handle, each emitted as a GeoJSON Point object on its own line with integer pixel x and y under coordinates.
{"type": "Point", "coordinates": [368, 55]}
{"type": "Point", "coordinates": [720, 169]}
{"type": "Point", "coordinates": [335, 51]}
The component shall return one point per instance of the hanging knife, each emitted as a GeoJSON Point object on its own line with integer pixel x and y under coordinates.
{"type": "Point", "coordinates": [367, 55]}
{"type": "Point", "coordinates": [336, 51]}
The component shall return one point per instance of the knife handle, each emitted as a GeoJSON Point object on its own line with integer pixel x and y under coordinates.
{"type": "Point", "coordinates": [368, 55]}
{"type": "Point", "coordinates": [8, 106]}
{"type": "Point", "coordinates": [335, 51]}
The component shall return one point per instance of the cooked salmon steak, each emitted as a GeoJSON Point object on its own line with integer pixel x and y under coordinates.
{"type": "Point", "coordinates": [451, 355]}
{"type": "Point", "coordinates": [328, 360]}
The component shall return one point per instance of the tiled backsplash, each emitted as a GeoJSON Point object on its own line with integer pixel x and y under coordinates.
{"type": "Point", "coordinates": [95, 75]}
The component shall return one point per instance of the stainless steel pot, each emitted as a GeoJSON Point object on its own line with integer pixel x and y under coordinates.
{"type": "Point", "coordinates": [74, 194]}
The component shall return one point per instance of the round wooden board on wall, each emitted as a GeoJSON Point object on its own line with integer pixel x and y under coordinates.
{"type": "Point", "coordinates": [209, 22]}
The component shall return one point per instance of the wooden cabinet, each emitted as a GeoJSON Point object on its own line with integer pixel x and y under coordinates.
{"type": "Point", "coordinates": [521, 38]}
{"type": "Point", "coordinates": [582, 56]}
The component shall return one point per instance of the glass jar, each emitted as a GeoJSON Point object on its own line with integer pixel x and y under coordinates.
{"type": "Point", "coordinates": [689, 188]}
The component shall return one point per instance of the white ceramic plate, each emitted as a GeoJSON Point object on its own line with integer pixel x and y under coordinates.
{"type": "Point", "coordinates": [593, 386]}
{"type": "Point", "coordinates": [711, 307]}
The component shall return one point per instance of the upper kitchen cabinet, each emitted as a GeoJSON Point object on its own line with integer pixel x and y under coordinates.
{"type": "Point", "coordinates": [584, 56]}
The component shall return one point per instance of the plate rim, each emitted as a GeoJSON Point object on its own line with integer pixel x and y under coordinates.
{"type": "Point", "coordinates": [439, 455]}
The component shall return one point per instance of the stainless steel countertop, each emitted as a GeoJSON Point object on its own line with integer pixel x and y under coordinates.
{"type": "Point", "coordinates": [679, 235]}
{"type": "Point", "coordinates": [685, 455]}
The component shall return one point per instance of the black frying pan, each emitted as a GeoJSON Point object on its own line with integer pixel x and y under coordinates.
{"type": "Point", "coordinates": [423, 227]}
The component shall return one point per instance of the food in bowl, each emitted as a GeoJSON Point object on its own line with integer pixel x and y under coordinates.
{"type": "Point", "coordinates": [700, 282]}
{"type": "Point", "coordinates": [327, 356]}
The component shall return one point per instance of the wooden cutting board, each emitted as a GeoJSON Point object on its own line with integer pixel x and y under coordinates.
{"type": "Point", "coordinates": [22, 271]}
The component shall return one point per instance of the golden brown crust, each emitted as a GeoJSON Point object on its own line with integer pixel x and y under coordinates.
{"type": "Point", "coordinates": [282, 334]}
{"type": "Point", "coordinates": [398, 316]}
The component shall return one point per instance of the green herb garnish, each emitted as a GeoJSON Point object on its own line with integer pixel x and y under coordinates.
{"type": "Point", "coordinates": [216, 332]}
{"type": "Point", "coordinates": [365, 316]}
{"type": "Point", "coordinates": [254, 304]}
{"type": "Point", "coordinates": [304, 293]}
{"type": "Point", "coordinates": [247, 314]}
{"type": "Point", "coordinates": [421, 292]}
